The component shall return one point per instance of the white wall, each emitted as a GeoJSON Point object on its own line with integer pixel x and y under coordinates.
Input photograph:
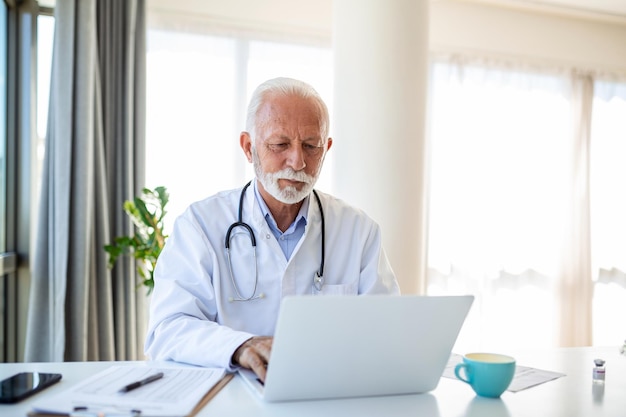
{"type": "Point", "coordinates": [304, 19]}
{"type": "Point", "coordinates": [536, 35]}
{"type": "Point", "coordinates": [531, 35]}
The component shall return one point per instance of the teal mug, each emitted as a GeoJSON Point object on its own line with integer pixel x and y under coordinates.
{"type": "Point", "coordinates": [489, 374]}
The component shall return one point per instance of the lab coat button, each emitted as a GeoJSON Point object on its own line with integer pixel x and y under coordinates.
{"type": "Point", "coordinates": [267, 236]}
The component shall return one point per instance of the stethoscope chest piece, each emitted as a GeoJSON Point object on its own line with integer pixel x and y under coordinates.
{"type": "Point", "coordinates": [318, 281]}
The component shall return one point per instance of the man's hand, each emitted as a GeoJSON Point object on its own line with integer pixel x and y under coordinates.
{"type": "Point", "coordinates": [254, 354]}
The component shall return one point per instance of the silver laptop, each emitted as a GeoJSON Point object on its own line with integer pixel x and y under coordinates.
{"type": "Point", "coordinates": [352, 346]}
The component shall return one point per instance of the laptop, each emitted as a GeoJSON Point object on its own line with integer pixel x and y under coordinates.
{"type": "Point", "coordinates": [354, 346]}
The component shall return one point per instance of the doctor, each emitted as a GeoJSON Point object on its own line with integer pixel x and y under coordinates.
{"type": "Point", "coordinates": [231, 257]}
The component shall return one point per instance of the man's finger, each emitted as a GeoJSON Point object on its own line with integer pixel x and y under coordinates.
{"type": "Point", "coordinates": [254, 354]}
{"type": "Point", "coordinates": [264, 349]}
{"type": "Point", "coordinates": [259, 367]}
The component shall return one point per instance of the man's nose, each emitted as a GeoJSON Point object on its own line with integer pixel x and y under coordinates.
{"type": "Point", "coordinates": [296, 158]}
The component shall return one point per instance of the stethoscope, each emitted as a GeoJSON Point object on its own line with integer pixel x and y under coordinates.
{"type": "Point", "coordinates": [318, 279]}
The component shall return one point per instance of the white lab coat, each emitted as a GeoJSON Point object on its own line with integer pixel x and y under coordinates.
{"type": "Point", "coordinates": [191, 317]}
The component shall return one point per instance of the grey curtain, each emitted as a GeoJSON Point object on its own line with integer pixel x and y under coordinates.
{"type": "Point", "coordinates": [79, 309]}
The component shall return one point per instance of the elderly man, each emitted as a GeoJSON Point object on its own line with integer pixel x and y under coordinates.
{"type": "Point", "coordinates": [232, 257]}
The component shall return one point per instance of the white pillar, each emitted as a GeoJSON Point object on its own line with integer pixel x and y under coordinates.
{"type": "Point", "coordinates": [381, 66]}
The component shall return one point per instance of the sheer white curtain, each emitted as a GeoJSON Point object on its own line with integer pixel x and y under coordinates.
{"type": "Point", "coordinates": [191, 85]}
{"type": "Point", "coordinates": [608, 211]}
{"type": "Point", "coordinates": [511, 191]}
{"type": "Point", "coordinates": [198, 86]}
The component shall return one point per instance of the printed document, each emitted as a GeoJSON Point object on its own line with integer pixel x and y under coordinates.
{"type": "Point", "coordinates": [524, 377]}
{"type": "Point", "coordinates": [175, 394]}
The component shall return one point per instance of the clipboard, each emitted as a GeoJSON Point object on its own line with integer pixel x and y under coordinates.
{"type": "Point", "coordinates": [212, 393]}
{"type": "Point", "coordinates": [188, 405]}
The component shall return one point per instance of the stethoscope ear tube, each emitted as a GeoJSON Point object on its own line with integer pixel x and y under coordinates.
{"type": "Point", "coordinates": [232, 278]}
{"type": "Point", "coordinates": [239, 224]}
{"type": "Point", "coordinates": [320, 274]}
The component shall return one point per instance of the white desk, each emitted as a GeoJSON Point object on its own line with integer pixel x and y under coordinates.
{"type": "Point", "coordinates": [569, 396]}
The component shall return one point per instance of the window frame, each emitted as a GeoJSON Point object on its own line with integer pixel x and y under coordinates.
{"type": "Point", "coordinates": [20, 97]}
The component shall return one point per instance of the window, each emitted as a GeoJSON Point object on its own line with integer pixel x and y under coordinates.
{"type": "Point", "coordinates": [500, 207]}
{"type": "Point", "coordinates": [198, 86]}
{"type": "Point", "coordinates": [18, 161]}
{"type": "Point", "coordinates": [496, 199]}
{"type": "Point", "coordinates": [3, 125]}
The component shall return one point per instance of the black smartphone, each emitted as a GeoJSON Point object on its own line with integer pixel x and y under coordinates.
{"type": "Point", "coordinates": [19, 386]}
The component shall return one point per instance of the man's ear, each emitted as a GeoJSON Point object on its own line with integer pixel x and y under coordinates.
{"type": "Point", "coordinates": [329, 143]}
{"type": "Point", "coordinates": [245, 141]}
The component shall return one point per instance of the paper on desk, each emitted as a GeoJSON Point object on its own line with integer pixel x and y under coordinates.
{"type": "Point", "coordinates": [176, 394]}
{"type": "Point", "coordinates": [524, 378]}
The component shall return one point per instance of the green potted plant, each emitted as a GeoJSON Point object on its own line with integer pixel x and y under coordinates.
{"type": "Point", "coordinates": [147, 212]}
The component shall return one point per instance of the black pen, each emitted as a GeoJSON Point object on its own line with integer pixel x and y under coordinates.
{"type": "Point", "coordinates": [143, 382]}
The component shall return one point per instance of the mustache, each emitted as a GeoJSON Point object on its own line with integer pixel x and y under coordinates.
{"type": "Point", "coordinates": [290, 174]}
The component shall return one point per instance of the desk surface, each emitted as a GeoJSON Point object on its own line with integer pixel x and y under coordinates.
{"type": "Point", "coordinates": [572, 395]}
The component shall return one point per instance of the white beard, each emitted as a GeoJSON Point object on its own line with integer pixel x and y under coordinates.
{"type": "Point", "coordinates": [289, 194]}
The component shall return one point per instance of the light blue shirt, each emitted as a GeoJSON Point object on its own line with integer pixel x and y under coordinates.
{"type": "Point", "coordinates": [290, 238]}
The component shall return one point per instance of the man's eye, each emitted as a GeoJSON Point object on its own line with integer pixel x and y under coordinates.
{"type": "Point", "coordinates": [276, 147]}
{"type": "Point", "coordinates": [312, 149]}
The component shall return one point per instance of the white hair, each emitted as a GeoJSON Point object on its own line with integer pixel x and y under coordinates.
{"type": "Point", "coordinates": [285, 86]}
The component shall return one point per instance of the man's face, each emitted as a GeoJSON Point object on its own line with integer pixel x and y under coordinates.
{"type": "Point", "coordinates": [288, 151]}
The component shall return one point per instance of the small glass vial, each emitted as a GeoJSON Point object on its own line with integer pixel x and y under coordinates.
{"type": "Point", "coordinates": [599, 371]}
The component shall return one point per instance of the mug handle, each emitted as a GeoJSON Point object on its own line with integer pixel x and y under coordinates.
{"type": "Point", "coordinates": [457, 372]}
